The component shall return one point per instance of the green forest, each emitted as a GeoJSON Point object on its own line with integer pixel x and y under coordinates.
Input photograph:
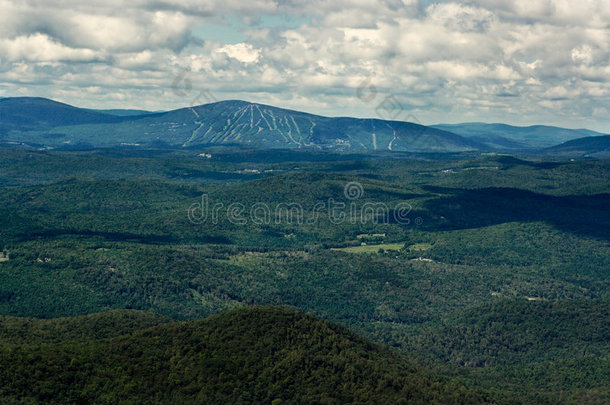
{"type": "Point", "coordinates": [492, 287]}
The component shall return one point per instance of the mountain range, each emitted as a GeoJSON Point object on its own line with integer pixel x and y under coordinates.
{"type": "Point", "coordinates": [46, 123]}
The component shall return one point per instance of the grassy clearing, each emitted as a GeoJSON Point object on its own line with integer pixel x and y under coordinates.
{"type": "Point", "coordinates": [371, 248]}
{"type": "Point", "coordinates": [420, 246]}
{"type": "Point", "coordinates": [417, 247]}
{"type": "Point", "coordinates": [370, 235]}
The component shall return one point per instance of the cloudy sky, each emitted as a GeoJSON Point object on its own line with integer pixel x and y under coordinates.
{"type": "Point", "coordinates": [516, 61]}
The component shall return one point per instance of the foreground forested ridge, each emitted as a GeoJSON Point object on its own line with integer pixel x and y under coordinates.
{"type": "Point", "coordinates": [251, 355]}
{"type": "Point", "coordinates": [502, 284]}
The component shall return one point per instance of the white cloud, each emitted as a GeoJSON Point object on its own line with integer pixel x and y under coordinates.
{"type": "Point", "coordinates": [39, 47]}
{"type": "Point", "coordinates": [242, 52]}
{"type": "Point", "coordinates": [583, 54]}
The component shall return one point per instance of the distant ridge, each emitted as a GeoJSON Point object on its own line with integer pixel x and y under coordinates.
{"type": "Point", "coordinates": [594, 146]}
{"type": "Point", "coordinates": [34, 113]}
{"type": "Point", "coordinates": [125, 112]}
{"type": "Point", "coordinates": [46, 123]}
{"type": "Point", "coordinates": [40, 122]}
{"type": "Point", "coordinates": [515, 137]}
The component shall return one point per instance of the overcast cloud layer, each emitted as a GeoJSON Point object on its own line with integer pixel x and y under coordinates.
{"type": "Point", "coordinates": [515, 61]}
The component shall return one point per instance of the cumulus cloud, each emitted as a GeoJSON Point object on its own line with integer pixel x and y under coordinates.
{"type": "Point", "coordinates": [518, 61]}
{"type": "Point", "coordinates": [583, 54]}
{"type": "Point", "coordinates": [40, 48]}
{"type": "Point", "coordinates": [242, 52]}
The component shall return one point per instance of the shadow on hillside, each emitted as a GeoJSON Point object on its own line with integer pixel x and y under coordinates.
{"type": "Point", "coordinates": [125, 237]}
{"type": "Point", "coordinates": [585, 215]}
{"type": "Point", "coordinates": [509, 162]}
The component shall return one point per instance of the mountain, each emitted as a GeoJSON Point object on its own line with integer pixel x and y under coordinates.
{"type": "Point", "coordinates": [251, 355]}
{"type": "Point", "coordinates": [124, 113]}
{"type": "Point", "coordinates": [503, 136]}
{"type": "Point", "coordinates": [32, 113]}
{"type": "Point", "coordinates": [45, 123]}
{"type": "Point", "coordinates": [41, 122]}
{"type": "Point", "coordinates": [594, 146]}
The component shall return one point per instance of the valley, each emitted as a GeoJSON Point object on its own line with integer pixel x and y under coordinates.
{"type": "Point", "coordinates": [504, 275]}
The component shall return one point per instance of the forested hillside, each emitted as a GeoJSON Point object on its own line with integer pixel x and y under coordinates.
{"type": "Point", "coordinates": [497, 274]}
{"type": "Point", "coordinates": [252, 355]}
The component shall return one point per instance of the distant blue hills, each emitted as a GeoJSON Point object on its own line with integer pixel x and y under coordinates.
{"type": "Point", "coordinates": [41, 122]}
{"type": "Point", "coordinates": [509, 136]}
{"type": "Point", "coordinates": [593, 146]}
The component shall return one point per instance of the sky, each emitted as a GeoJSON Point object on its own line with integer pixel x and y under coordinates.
{"type": "Point", "coordinates": [521, 62]}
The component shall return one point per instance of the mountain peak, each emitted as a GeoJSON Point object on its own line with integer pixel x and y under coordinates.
{"type": "Point", "coordinates": [46, 123]}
